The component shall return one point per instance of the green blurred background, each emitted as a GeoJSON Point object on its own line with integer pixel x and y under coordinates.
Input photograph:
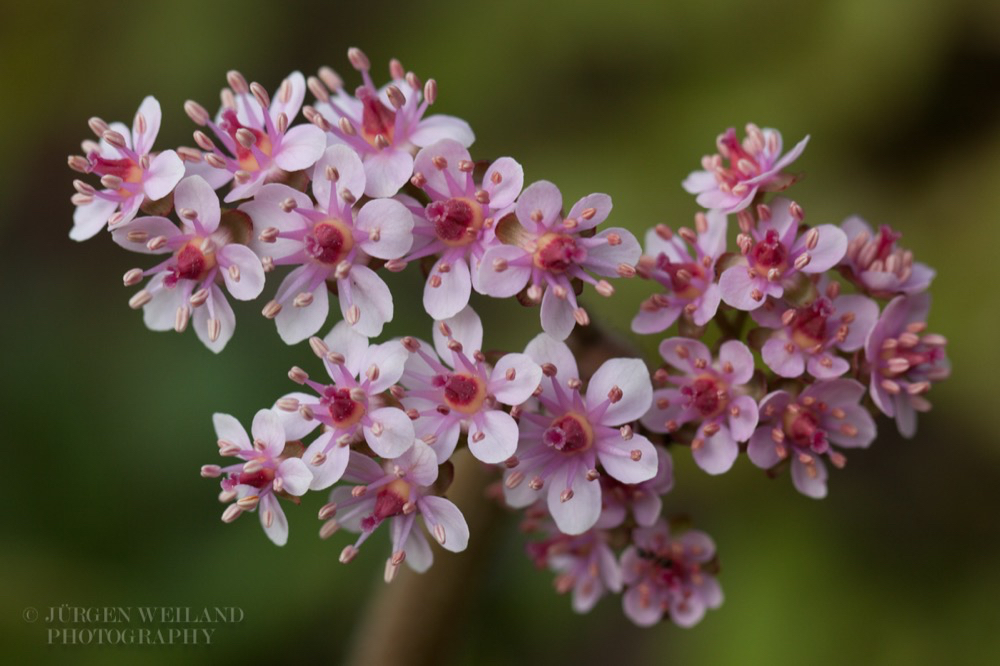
{"type": "Point", "coordinates": [105, 423]}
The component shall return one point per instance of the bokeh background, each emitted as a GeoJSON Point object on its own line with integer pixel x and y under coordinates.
{"type": "Point", "coordinates": [105, 423]}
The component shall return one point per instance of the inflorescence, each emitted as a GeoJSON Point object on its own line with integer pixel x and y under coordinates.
{"type": "Point", "coordinates": [770, 356]}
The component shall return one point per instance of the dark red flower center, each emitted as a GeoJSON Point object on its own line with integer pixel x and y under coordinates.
{"type": "Point", "coordinates": [569, 433]}
{"type": "Point", "coordinates": [464, 393]}
{"type": "Point", "coordinates": [769, 253]}
{"type": "Point", "coordinates": [456, 221]}
{"type": "Point", "coordinates": [557, 252]}
{"type": "Point", "coordinates": [343, 409]}
{"type": "Point", "coordinates": [329, 242]}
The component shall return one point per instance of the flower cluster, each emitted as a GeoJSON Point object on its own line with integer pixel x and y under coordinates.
{"type": "Point", "coordinates": [764, 351]}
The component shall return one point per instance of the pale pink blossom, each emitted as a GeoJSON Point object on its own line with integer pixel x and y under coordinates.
{"type": "Point", "coordinates": [669, 576]}
{"type": "Point", "coordinates": [384, 126]}
{"type": "Point", "coordinates": [271, 469]}
{"type": "Point", "coordinates": [129, 171]}
{"type": "Point", "coordinates": [329, 241]}
{"type": "Point", "coordinates": [642, 500]}
{"type": "Point", "coordinates": [876, 264]}
{"type": "Point", "coordinates": [563, 441]}
{"type": "Point", "coordinates": [711, 393]}
{"type": "Point", "coordinates": [399, 491]}
{"type": "Point", "coordinates": [905, 360]}
{"type": "Point", "coordinates": [585, 565]}
{"type": "Point", "coordinates": [260, 146]}
{"type": "Point", "coordinates": [352, 406]}
{"type": "Point", "coordinates": [774, 252]}
{"type": "Point", "coordinates": [755, 164]}
{"type": "Point", "coordinates": [548, 250]}
{"type": "Point", "coordinates": [804, 429]}
{"type": "Point", "coordinates": [464, 392]}
{"type": "Point", "coordinates": [203, 254]}
{"type": "Point", "coordinates": [687, 275]}
{"type": "Point", "coordinates": [459, 222]}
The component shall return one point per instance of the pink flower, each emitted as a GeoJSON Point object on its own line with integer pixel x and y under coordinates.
{"type": "Point", "coordinates": [905, 361]}
{"type": "Point", "coordinates": [804, 429]}
{"type": "Point", "coordinates": [806, 338]}
{"type": "Point", "coordinates": [203, 253]}
{"type": "Point", "coordinates": [774, 252]}
{"type": "Point", "coordinates": [468, 393]}
{"type": "Point", "coordinates": [669, 576]}
{"type": "Point", "coordinates": [352, 406]}
{"type": "Point", "coordinates": [709, 393]}
{"type": "Point", "coordinates": [642, 498]}
{"type": "Point", "coordinates": [260, 146]}
{"type": "Point", "coordinates": [585, 564]}
{"type": "Point", "coordinates": [549, 250]}
{"type": "Point", "coordinates": [561, 444]}
{"type": "Point", "coordinates": [874, 262]}
{"type": "Point", "coordinates": [399, 490]}
{"type": "Point", "coordinates": [754, 165]}
{"type": "Point", "coordinates": [129, 171]}
{"type": "Point", "coordinates": [271, 469]}
{"type": "Point", "coordinates": [689, 281]}
{"type": "Point", "coordinates": [329, 240]}
{"type": "Point", "coordinates": [458, 223]}
{"type": "Point", "coordinates": [385, 127]}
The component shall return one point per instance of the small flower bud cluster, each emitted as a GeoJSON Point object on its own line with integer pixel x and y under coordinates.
{"type": "Point", "coordinates": [763, 349]}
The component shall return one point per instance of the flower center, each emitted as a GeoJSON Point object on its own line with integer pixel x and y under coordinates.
{"type": "Point", "coordinates": [259, 479]}
{"type": "Point", "coordinates": [245, 156]}
{"type": "Point", "coordinates": [707, 395]}
{"type": "Point", "coordinates": [329, 242]}
{"type": "Point", "coordinates": [464, 393]}
{"type": "Point", "coordinates": [376, 117]}
{"type": "Point", "coordinates": [388, 503]}
{"type": "Point", "coordinates": [802, 427]}
{"type": "Point", "coordinates": [192, 263]}
{"type": "Point", "coordinates": [457, 221]}
{"type": "Point", "coordinates": [682, 283]}
{"type": "Point", "coordinates": [769, 253]}
{"type": "Point", "coordinates": [569, 433]}
{"type": "Point", "coordinates": [343, 409]}
{"type": "Point", "coordinates": [809, 326]}
{"type": "Point", "coordinates": [557, 252]}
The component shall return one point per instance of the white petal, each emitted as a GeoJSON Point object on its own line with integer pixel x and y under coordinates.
{"type": "Point", "coordinates": [527, 377]}
{"type": "Point", "coordinates": [194, 193]}
{"type": "Point", "coordinates": [631, 376]}
{"type": "Point", "coordinates": [301, 146]}
{"type": "Point", "coordinates": [500, 437]}
{"type": "Point", "coordinates": [229, 429]}
{"type": "Point", "coordinates": [278, 531]}
{"type": "Point", "coordinates": [397, 432]}
{"type": "Point", "coordinates": [344, 340]}
{"type": "Point", "coordinates": [295, 476]}
{"type": "Point", "coordinates": [579, 513]}
{"type": "Point", "coordinates": [373, 299]}
{"type": "Point", "coordinates": [295, 324]}
{"type": "Point", "coordinates": [268, 429]}
{"type": "Point", "coordinates": [391, 223]}
{"type": "Point", "coordinates": [251, 272]}
{"type": "Point", "coordinates": [446, 514]}
{"type": "Point", "coordinates": [623, 467]}
{"type": "Point", "coordinates": [466, 328]}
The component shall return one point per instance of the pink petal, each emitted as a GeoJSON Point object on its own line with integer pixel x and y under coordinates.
{"type": "Point", "coordinates": [452, 293]}
{"type": "Point", "coordinates": [390, 359]}
{"type": "Point", "coordinates": [646, 323]}
{"type": "Point", "coordinates": [229, 429]}
{"type": "Point", "coordinates": [861, 419]}
{"type": "Point", "coordinates": [906, 416]}
{"type": "Point", "coordinates": [699, 181]}
{"type": "Point", "coordinates": [194, 193]}
{"type": "Point", "coordinates": [453, 153]}
{"type": "Point", "coordinates": [150, 110]}
{"type": "Point", "coordinates": [251, 282]}
{"type": "Point", "coordinates": [527, 375]}
{"type": "Point", "coordinates": [613, 454]}
{"type": "Point", "coordinates": [683, 352]}
{"type": "Point", "coordinates": [296, 94]}
{"type": "Point", "coordinates": [350, 176]}
{"type": "Point", "coordinates": [642, 614]}
{"type": "Point", "coordinates": [718, 452]}
{"type": "Point", "coordinates": [647, 508]}
{"type": "Point", "coordinates": [785, 363]}
{"type": "Point", "coordinates": [438, 127]}
{"type": "Point", "coordinates": [213, 176]}
{"type": "Point", "coordinates": [247, 189]}
{"type": "Point", "coordinates": [372, 297]}
{"type": "Point", "coordinates": [386, 171]}
{"type": "Point", "coordinates": [738, 355]}
{"type": "Point", "coordinates": [713, 241]}
{"type": "Point", "coordinates": [742, 426]}
{"type": "Point", "coordinates": [604, 258]}
{"type": "Point", "coordinates": [295, 476]}
{"type": "Point", "coordinates": [345, 340]}
{"type": "Point", "coordinates": [865, 312]}
{"type": "Point", "coordinates": [300, 147]}
{"type": "Point", "coordinates": [827, 366]}
{"type": "Point", "coordinates": [333, 466]}
{"type": "Point", "coordinates": [544, 349]}
{"type": "Point", "coordinates": [601, 203]}
{"type": "Point", "coordinates": [397, 432]}
{"type": "Point", "coordinates": [557, 315]}
{"type": "Point", "coordinates": [540, 198]}
{"type": "Point", "coordinates": [165, 172]}
{"type": "Point", "coordinates": [223, 312]}
{"type": "Point", "coordinates": [686, 611]}
{"type": "Point", "coordinates": [514, 277]}
{"type": "Point", "coordinates": [447, 439]}
{"type": "Point", "coordinates": [295, 324]}
{"type": "Point", "coordinates": [390, 223]}
{"type": "Point", "coordinates": [420, 464]}
{"type": "Point", "coordinates": [511, 176]}
{"type": "Point", "coordinates": [418, 552]}
{"type": "Point", "coordinates": [268, 429]}
{"type": "Point", "coordinates": [805, 484]}
{"type": "Point", "coordinates": [447, 515]}
{"type": "Point", "coordinates": [294, 425]}
{"type": "Point", "coordinates": [500, 437]}
{"type": "Point", "coordinates": [762, 450]}
{"type": "Point", "coordinates": [829, 250]}
{"type": "Point", "coordinates": [89, 219]}
{"type": "Point", "coordinates": [466, 327]}
{"type": "Point", "coordinates": [631, 377]}
{"type": "Point", "coordinates": [278, 531]}
{"type": "Point", "coordinates": [153, 227]}
{"type": "Point", "coordinates": [578, 514]}
{"type": "Point", "coordinates": [709, 305]}
{"type": "Point", "coordinates": [737, 288]}
{"type": "Point", "coordinates": [161, 312]}
{"type": "Point", "coordinates": [836, 392]}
